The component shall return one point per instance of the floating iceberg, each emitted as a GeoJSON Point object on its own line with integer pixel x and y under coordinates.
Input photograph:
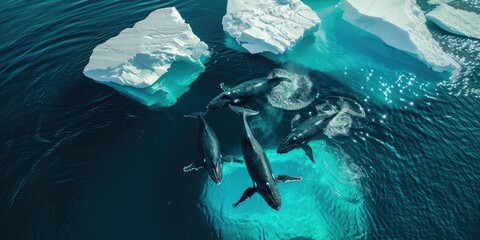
{"type": "Point", "coordinates": [326, 204]}
{"type": "Point", "coordinates": [400, 24]}
{"type": "Point", "coordinates": [268, 26]}
{"type": "Point", "coordinates": [154, 61]}
{"type": "Point", "coordinates": [456, 21]}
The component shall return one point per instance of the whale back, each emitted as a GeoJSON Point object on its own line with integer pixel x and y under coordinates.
{"type": "Point", "coordinates": [257, 162]}
{"type": "Point", "coordinates": [208, 143]}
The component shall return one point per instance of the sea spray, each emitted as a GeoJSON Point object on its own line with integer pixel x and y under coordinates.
{"type": "Point", "coordinates": [348, 114]}
{"type": "Point", "coordinates": [294, 94]}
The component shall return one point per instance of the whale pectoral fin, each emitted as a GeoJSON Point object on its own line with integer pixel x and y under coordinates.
{"type": "Point", "coordinates": [247, 194]}
{"type": "Point", "coordinates": [224, 87]}
{"type": "Point", "coordinates": [308, 150]}
{"type": "Point", "coordinates": [193, 166]}
{"type": "Point", "coordinates": [295, 121]}
{"type": "Point", "coordinates": [230, 158]}
{"type": "Point", "coordinates": [285, 179]}
{"type": "Point", "coordinates": [243, 110]}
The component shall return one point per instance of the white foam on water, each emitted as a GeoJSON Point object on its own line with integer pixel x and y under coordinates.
{"type": "Point", "coordinates": [341, 124]}
{"type": "Point", "coordinates": [327, 108]}
{"type": "Point", "coordinates": [351, 174]}
{"type": "Point", "coordinates": [294, 94]}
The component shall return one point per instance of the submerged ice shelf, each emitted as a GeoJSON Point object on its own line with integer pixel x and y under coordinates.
{"type": "Point", "coordinates": [154, 62]}
{"type": "Point", "coordinates": [362, 60]}
{"type": "Point", "coordinates": [268, 26]}
{"type": "Point", "coordinates": [400, 24]}
{"type": "Point", "coordinates": [326, 204]}
{"type": "Point", "coordinates": [456, 21]}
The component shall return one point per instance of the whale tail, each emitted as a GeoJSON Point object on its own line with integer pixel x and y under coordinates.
{"type": "Point", "coordinates": [243, 111]}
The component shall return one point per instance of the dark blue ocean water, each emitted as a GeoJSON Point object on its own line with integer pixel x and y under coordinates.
{"type": "Point", "coordinates": [78, 160]}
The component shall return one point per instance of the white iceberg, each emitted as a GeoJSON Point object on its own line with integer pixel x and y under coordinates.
{"type": "Point", "coordinates": [148, 61]}
{"type": "Point", "coordinates": [456, 21]}
{"type": "Point", "coordinates": [268, 26]}
{"type": "Point", "coordinates": [400, 24]}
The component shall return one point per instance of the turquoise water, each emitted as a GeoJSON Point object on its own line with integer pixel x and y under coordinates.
{"type": "Point", "coordinates": [81, 160]}
{"type": "Point", "coordinates": [172, 85]}
{"type": "Point", "coordinates": [361, 60]}
{"type": "Point", "coordinates": [327, 203]}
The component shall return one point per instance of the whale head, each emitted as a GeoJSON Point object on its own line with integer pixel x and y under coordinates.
{"type": "Point", "coordinates": [272, 197]}
{"type": "Point", "coordinates": [215, 172]}
{"type": "Point", "coordinates": [289, 143]}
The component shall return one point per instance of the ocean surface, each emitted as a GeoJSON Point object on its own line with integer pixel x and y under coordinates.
{"type": "Point", "coordinates": [79, 160]}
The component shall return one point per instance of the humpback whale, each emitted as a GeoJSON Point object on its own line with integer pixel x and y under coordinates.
{"type": "Point", "coordinates": [210, 152]}
{"type": "Point", "coordinates": [304, 132]}
{"type": "Point", "coordinates": [244, 92]}
{"type": "Point", "coordinates": [258, 166]}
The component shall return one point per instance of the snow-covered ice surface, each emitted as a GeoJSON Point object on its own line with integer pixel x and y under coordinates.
{"type": "Point", "coordinates": [330, 188]}
{"type": "Point", "coordinates": [400, 24]}
{"type": "Point", "coordinates": [154, 61]}
{"type": "Point", "coordinates": [456, 21]}
{"type": "Point", "coordinates": [268, 26]}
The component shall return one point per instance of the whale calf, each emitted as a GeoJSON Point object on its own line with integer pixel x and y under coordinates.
{"type": "Point", "coordinates": [258, 166]}
{"type": "Point", "coordinates": [304, 132]}
{"type": "Point", "coordinates": [209, 148]}
{"type": "Point", "coordinates": [244, 92]}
